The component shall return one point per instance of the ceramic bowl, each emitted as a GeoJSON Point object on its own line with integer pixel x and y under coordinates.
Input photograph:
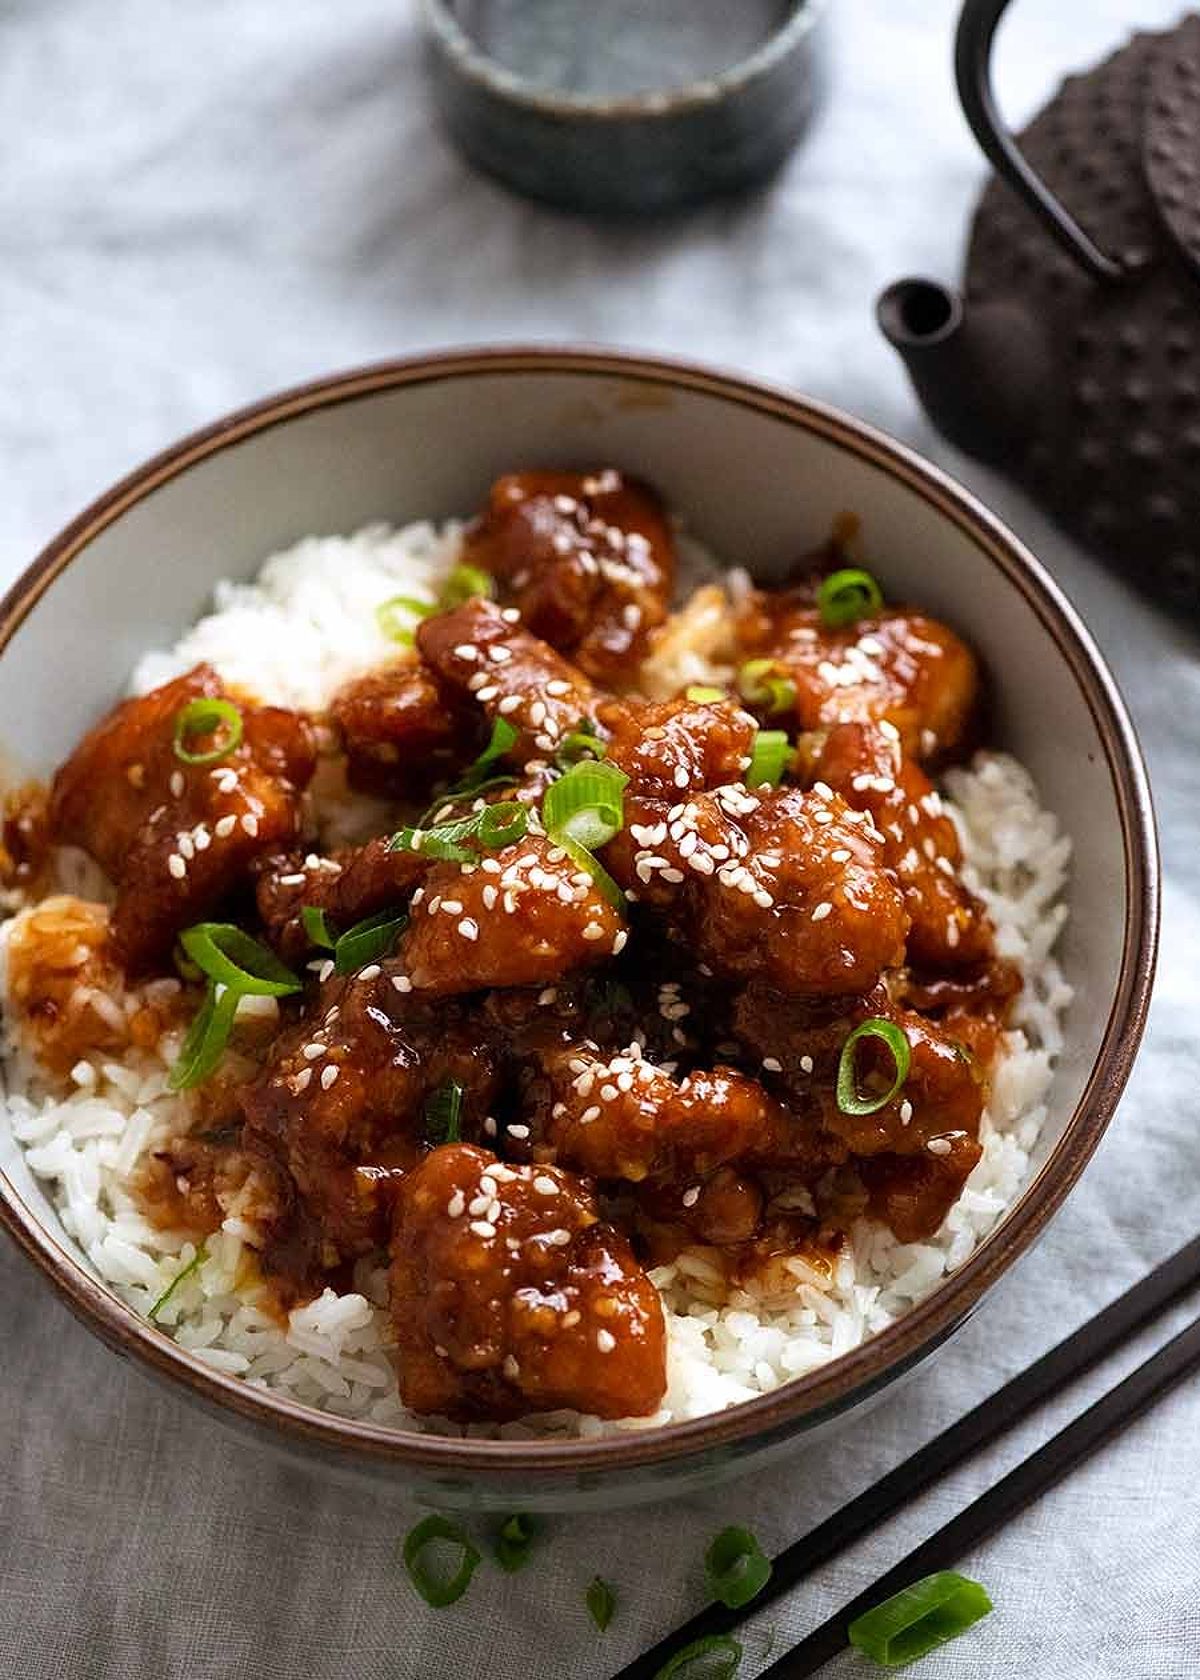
{"type": "Point", "coordinates": [758, 474]}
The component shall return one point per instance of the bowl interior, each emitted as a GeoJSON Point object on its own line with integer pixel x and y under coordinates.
{"type": "Point", "coordinates": [757, 478]}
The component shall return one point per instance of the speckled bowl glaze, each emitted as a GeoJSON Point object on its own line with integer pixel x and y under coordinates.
{"type": "Point", "coordinates": [639, 153]}
{"type": "Point", "coordinates": [758, 474]}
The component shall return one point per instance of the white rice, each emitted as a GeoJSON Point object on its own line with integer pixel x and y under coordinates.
{"type": "Point", "coordinates": [292, 637]}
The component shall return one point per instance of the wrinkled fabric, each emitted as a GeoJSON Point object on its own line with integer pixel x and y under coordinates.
{"type": "Point", "coordinates": [201, 203]}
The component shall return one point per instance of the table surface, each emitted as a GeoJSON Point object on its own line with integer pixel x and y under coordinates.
{"type": "Point", "coordinates": [200, 204]}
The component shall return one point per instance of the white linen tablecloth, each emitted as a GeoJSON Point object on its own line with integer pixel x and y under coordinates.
{"type": "Point", "coordinates": [200, 203]}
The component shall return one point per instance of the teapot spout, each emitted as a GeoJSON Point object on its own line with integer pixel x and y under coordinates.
{"type": "Point", "coordinates": [977, 370]}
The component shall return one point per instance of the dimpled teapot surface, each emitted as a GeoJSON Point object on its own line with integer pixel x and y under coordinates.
{"type": "Point", "coordinates": [1073, 357]}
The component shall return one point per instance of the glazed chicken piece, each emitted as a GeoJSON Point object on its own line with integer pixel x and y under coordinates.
{"type": "Point", "coordinates": [864, 763]}
{"type": "Point", "coordinates": [177, 838]}
{"type": "Point", "coordinates": [781, 884]}
{"type": "Point", "coordinates": [896, 665]}
{"type": "Point", "coordinates": [348, 884]}
{"type": "Point", "coordinates": [341, 1103]}
{"type": "Point", "coordinates": [402, 729]}
{"type": "Point", "coordinates": [510, 673]}
{"type": "Point", "coordinates": [521, 916]}
{"type": "Point", "coordinates": [671, 747]}
{"type": "Point", "coordinates": [587, 558]}
{"type": "Point", "coordinates": [922, 1145]}
{"type": "Point", "coordinates": [620, 1116]}
{"type": "Point", "coordinates": [508, 1295]}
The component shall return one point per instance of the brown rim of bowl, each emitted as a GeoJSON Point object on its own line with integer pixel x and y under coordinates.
{"type": "Point", "coordinates": [848, 1378]}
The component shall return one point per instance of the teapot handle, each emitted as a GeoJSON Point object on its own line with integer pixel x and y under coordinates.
{"type": "Point", "coordinates": [973, 72]}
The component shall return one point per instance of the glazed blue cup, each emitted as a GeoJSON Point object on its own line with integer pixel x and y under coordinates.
{"type": "Point", "coordinates": [518, 103]}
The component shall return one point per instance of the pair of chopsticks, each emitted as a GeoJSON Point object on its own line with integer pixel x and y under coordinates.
{"type": "Point", "coordinates": [979, 1428]}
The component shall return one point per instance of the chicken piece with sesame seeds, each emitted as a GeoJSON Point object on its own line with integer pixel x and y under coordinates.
{"type": "Point", "coordinates": [402, 729]}
{"type": "Point", "coordinates": [522, 916]}
{"type": "Point", "coordinates": [176, 838]}
{"type": "Point", "coordinates": [510, 673]}
{"type": "Point", "coordinates": [781, 884]}
{"type": "Point", "coordinates": [508, 1295]}
{"type": "Point", "coordinates": [347, 884]}
{"type": "Point", "coordinates": [896, 664]}
{"type": "Point", "coordinates": [621, 1116]}
{"type": "Point", "coordinates": [340, 1104]}
{"type": "Point", "coordinates": [864, 762]}
{"type": "Point", "coordinates": [932, 1122]}
{"type": "Point", "coordinates": [672, 746]}
{"type": "Point", "coordinates": [588, 559]}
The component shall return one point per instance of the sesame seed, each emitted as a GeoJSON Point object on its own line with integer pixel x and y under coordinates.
{"type": "Point", "coordinates": [558, 688]}
{"type": "Point", "coordinates": [176, 784]}
{"type": "Point", "coordinates": [451, 906]}
{"type": "Point", "coordinates": [938, 1146]}
{"type": "Point", "coordinates": [401, 982]}
{"type": "Point", "coordinates": [589, 1114]}
{"type": "Point", "coordinates": [772, 1064]}
{"type": "Point", "coordinates": [691, 1196]}
{"type": "Point", "coordinates": [325, 970]}
{"type": "Point", "coordinates": [250, 824]}
{"type": "Point", "coordinates": [483, 695]}
{"type": "Point", "coordinates": [824, 909]}
{"type": "Point", "coordinates": [499, 655]}
{"type": "Point", "coordinates": [329, 1075]}
{"type": "Point", "coordinates": [483, 1228]}
{"type": "Point", "coordinates": [519, 1132]}
{"type": "Point", "coordinates": [302, 1080]}
{"type": "Point", "coordinates": [605, 1341]}
{"type": "Point", "coordinates": [466, 650]}
{"type": "Point", "coordinates": [681, 777]}
{"type": "Point", "coordinates": [620, 940]}
{"type": "Point", "coordinates": [469, 928]}
{"type": "Point", "coordinates": [510, 1368]}
{"type": "Point", "coordinates": [508, 704]}
{"type": "Point", "coordinates": [510, 615]}
{"type": "Point", "coordinates": [545, 1185]}
{"type": "Point", "coordinates": [371, 972]}
{"type": "Point", "coordinates": [225, 826]}
{"type": "Point", "coordinates": [456, 1206]}
{"type": "Point", "coordinates": [176, 866]}
{"type": "Point", "coordinates": [906, 1112]}
{"type": "Point", "coordinates": [806, 1064]}
{"type": "Point", "coordinates": [284, 880]}
{"type": "Point", "coordinates": [313, 1050]}
{"type": "Point", "coordinates": [558, 1238]}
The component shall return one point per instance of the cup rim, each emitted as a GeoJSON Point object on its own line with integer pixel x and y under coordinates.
{"type": "Point", "coordinates": [849, 1378]}
{"type": "Point", "coordinates": [480, 67]}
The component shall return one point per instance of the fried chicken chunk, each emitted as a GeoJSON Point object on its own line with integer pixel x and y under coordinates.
{"type": "Point", "coordinates": [511, 674]}
{"type": "Point", "coordinates": [522, 916]}
{"type": "Point", "coordinates": [347, 884]}
{"type": "Point", "coordinates": [341, 1102]}
{"type": "Point", "coordinates": [402, 729]}
{"type": "Point", "coordinates": [587, 558]}
{"type": "Point", "coordinates": [509, 1295]}
{"type": "Point", "coordinates": [897, 665]}
{"type": "Point", "coordinates": [176, 837]}
{"type": "Point", "coordinates": [864, 763]}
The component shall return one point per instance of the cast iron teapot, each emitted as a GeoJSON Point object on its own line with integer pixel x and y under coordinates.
{"type": "Point", "coordinates": [1072, 358]}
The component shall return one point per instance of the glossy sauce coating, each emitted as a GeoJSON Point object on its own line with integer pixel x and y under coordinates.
{"type": "Point", "coordinates": [628, 1079]}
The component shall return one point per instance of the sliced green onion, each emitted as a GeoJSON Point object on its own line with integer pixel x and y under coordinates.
{"type": "Point", "coordinates": [368, 940]}
{"type": "Point", "coordinates": [393, 617]}
{"type": "Point", "coordinates": [316, 925]}
{"type": "Point", "coordinates": [491, 828]}
{"type": "Point", "coordinates": [586, 804]}
{"type": "Point", "coordinates": [582, 742]}
{"type": "Point", "coordinates": [193, 1265]}
{"type": "Point", "coordinates": [206, 1038]}
{"type": "Point", "coordinates": [702, 694]}
{"type": "Point", "coordinates": [735, 1567]}
{"type": "Point", "coordinates": [443, 1113]}
{"type": "Point", "coordinates": [514, 1542]}
{"type": "Point", "coordinates": [762, 683]}
{"type": "Point", "coordinates": [601, 1602]}
{"type": "Point", "coordinates": [846, 596]}
{"type": "Point", "coordinates": [605, 885]}
{"type": "Point", "coordinates": [424, 1558]}
{"type": "Point", "coordinates": [716, 1657]}
{"type": "Point", "coordinates": [203, 717]}
{"type": "Point", "coordinates": [849, 1098]}
{"type": "Point", "coordinates": [464, 584]}
{"type": "Point", "coordinates": [227, 955]}
{"type": "Point", "coordinates": [918, 1619]}
{"type": "Point", "coordinates": [769, 758]}
{"type": "Point", "coordinates": [475, 778]}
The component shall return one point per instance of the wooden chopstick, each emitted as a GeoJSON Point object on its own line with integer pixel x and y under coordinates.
{"type": "Point", "coordinates": [980, 1427]}
{"type": "Point", "coordinates": [1027, 1482]}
